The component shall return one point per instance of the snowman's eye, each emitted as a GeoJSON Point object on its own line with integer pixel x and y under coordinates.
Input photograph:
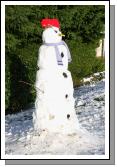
{"type": "Point", "coordinates": [55, 31]}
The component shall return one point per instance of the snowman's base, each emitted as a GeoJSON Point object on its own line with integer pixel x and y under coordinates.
{"type": "Point", "coordinates": [63, 144]}
{"type": "Point", "coordinates": [54, 108]}
{"type": "Point", "coordinates": [52, 126]}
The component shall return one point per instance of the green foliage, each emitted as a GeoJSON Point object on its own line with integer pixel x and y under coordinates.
{"type": "Point", "coordinates": [82, 26]}
{"type": "Point", "coordinates": [98, 65]}
{"type": "Point", "coordinates": [7, 82]}
{"type": "Point", "coordinates": [84, 61]}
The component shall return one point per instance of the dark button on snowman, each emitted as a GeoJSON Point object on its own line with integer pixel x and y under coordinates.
{"type": "Point", "coordinates": [54, 105]}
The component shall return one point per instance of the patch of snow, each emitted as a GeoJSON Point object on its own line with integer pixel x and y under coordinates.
{"type": "Point", "coordinates": [94, 78]}
{"type": "Point", "coordinates": [87, 79]}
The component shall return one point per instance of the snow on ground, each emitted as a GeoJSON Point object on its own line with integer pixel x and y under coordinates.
{"type": "Point", "coordinates": [21, 139]}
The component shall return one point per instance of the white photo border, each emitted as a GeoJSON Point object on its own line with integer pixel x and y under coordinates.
{"type": "Point", "coordinates": [3, 4]}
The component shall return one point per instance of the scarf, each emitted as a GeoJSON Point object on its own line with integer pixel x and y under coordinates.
{"type": "Point", "coordinates": [58, 54]}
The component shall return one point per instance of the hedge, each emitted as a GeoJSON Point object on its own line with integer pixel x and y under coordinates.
{"type": "Point", "coordinates": [81, 25]}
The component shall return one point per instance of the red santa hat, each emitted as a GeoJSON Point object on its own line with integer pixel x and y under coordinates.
{"type": "Point", "coordinates": [50, 22]}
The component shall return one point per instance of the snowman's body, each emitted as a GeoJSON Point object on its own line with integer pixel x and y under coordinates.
{"type": "Point", "coordinates": [54, 102]}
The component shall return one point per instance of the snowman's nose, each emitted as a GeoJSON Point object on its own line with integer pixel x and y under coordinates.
{"type": "Point", "coordinates": [61, 35]}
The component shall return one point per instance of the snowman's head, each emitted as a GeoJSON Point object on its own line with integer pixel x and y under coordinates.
{"type": "Point", "coordinates": [52, 35]}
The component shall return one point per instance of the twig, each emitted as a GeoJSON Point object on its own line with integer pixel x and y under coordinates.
{"type": "Point", "coordinates": [31, 85]}
{"type": "Point", "coordinates": [27, 83]}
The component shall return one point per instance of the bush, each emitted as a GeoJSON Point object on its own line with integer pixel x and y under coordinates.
{"type": "Point", "coordinates": [98, 65]}
{"type": "Point", "coordinates": [84, 61]}
{"type": "Point", "coordinates": [18, 95]}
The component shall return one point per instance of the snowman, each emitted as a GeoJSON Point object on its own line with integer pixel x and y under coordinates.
{"type": "Point", "coordinates": [54, 104]}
